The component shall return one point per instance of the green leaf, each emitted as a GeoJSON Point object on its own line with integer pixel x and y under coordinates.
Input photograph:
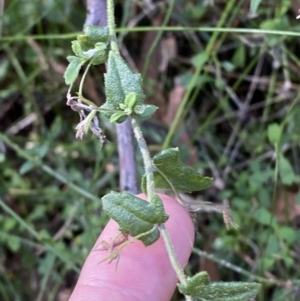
{"type": "Point", "coordinates": [263, 216]}
{"type": "Point", "coordinates": [96, 34]}
{"type": "Point", "coordinates": [239, 57]}
{"type": "Point", "coordinates": [93, 35]}
{"type": "Point", "coordinates": [101, 54]}
{"type": "Point", "coordinates": [144, 111]}
{"type": "Point", "coordinates": [97, 52]}
{"type": "Point", "coordinates": [134, 215]}
{"type": "Point", "coordinates": [72, 71]}
{"type": "Point", "coordinates": [9, 224]}
{"type": "Point", "coordinates": [200, 59]}
{"type": "Point", "coordinates": [116, 116]}
{"type": "Point", "coordinates": [2, 158]}
{"type": "Point", "coordinates": [119, 82]}
{"type": "Point", "coordinates": [286, 171]}
{"type": "Point", "coordinates": [76, 47]}
{"type": "Point", "coordinates": [200, 286]}
{"type": "Point", "coordinates": [254, 6]}
{"type": "Point", "coordinates": [170, 170]}
{"type": "Point", "coordinates": [26, 167]}
{"type": "Point", "coordinates": [274, 133]}
{"type": "Point", "coordinates": [14, 243]}
{"type": "Point", "coordinates": [129, 102]}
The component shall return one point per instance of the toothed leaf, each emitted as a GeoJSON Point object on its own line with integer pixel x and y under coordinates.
{"type": "Point", "coordinates": [120, 82]}
{"type": "Point", "coordinates": [200, 286]}
{"type": "Point", "coordinates": [134, 215]}
{"type": "Point", "coordinates": [144, 111]}
{"type": "Point", "coordinates": [172, 173]}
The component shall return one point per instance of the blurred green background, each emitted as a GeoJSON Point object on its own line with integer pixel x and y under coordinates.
{"type": "Point", "coordinates": [228, 98]}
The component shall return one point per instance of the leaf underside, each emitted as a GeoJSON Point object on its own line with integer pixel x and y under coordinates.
{"type": "Point", "coordinates": [134, 215]}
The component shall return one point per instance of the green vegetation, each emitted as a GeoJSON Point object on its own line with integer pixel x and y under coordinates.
{"type": "Point", "coordinates": [225, 81]}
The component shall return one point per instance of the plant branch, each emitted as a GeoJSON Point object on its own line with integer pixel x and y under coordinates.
{"type": "Point", "coordinates": [97, 15]}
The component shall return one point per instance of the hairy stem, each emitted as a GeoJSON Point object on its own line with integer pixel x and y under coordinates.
{"type": "Point", "coordinates": [111, 25]}
{"type": "Point", "coordinates": [175, 264]}
{"type": "Point", "coordinates": [150, 188]}
{"type": "Point", "coordinates": [146, 158]}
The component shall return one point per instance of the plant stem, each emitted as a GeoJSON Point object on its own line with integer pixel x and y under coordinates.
{"type": "Point", "coordinates": [111, 25]}
{"type": "Point", "coordinates": [150, 188]}
{"type": "Point", "coordinates": [146, 158]}
{"type": "Point", "coordinates": [83, 78]}
{"type": "Point", "coordinates": [175, 264]}
{"type": "Point", "coordinates": [171, 252]}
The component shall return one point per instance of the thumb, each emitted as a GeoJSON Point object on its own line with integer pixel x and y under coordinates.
{"type": "Point", "coordinates": [143, 273]}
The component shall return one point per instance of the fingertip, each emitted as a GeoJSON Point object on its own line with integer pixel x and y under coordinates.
{"type": "Point", "coordinates": [143, 273]}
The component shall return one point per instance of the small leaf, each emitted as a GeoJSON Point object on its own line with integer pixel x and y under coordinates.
{"type": "Point", "coordinates": [239, 57]}
{"type": "Point", "coordinates": [254, 6]}
{"type": "Point", "coordinates": [134, 215]}
{"type": "Point", "coordinates": [116, 117]}
{"type": "Point", "coordinates": [76, 47]}
{"type": "Point", "coordinates": [274, 133]}
{"type": "Point", "coordinates": [26, 167]}
{"type": "Point", "coordinates": [199, 286]}
{"type": "Point", "coordinates": [181, 177]}
{"type": "Point", "coordinates": [130, 101]}
{"type": "Point", "coordinates": [144, 111]}
{"type": "Point", "coordinates": [88, 54]}
{"type": "Point", "coordinates": [263, 216]}
{"type": "Point", "coordinates": [286, 171]}
{"type": "Point", "coordinates": [92, 36]}
{"type": "Point", "coordinates": [96, 34]}
{"type": "Point", "coordinates": [72, 71]}
{"type": "Point", "coordinates": [101, 54]}
{"type": "Point", "coordinates": [200, 59]}
{"type": "Point", "coordinates": [14, 243]}
{"type": "Point", "coordinates": [119, 82]}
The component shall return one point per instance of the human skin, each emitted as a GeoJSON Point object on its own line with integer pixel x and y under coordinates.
{"type": "Point", "coordinates": [142, 273]}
